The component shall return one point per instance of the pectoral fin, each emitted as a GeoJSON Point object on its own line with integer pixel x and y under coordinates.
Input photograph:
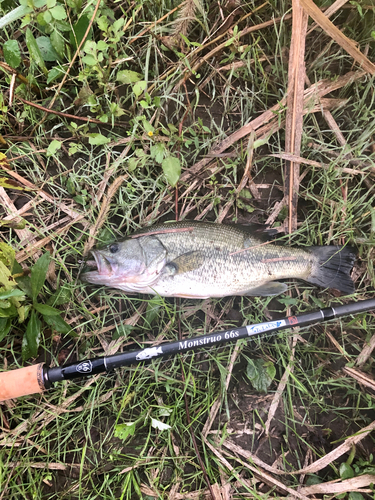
{"type": "Point", "coordinates": [271, 288]}
{"type": "Point", "coordinates": [184, 263]}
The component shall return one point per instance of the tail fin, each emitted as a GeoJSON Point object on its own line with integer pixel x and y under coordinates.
{"type": "Point", "coordinates": [334, 264]}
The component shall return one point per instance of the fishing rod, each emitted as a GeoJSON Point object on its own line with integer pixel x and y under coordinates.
{"type": "Point", "coordinates": [37, 378]}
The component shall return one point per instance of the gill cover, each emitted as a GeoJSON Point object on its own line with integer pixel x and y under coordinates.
{"type": "Point", "coordinates": [130, 265]}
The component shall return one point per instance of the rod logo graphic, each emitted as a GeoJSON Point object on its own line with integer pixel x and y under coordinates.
{"type": "Point", "coordinates": [84, 367]}
{"type": "Point", "coordinates": [149, 353]}
{"type": "Point", "coordinates": [264, 327]}
{"type": "Point", "coordinates": [292, 320]}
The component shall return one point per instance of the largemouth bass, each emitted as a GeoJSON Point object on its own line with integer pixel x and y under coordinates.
{"type": "Point", "coordinates": [200, 260]}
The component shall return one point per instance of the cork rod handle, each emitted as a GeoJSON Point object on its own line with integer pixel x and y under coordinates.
{"type": "Point", "coordinates": [21, 382]}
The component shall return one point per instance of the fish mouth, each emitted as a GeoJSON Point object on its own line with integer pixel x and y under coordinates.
{"type": "Point", "coordinates": [103, 267]}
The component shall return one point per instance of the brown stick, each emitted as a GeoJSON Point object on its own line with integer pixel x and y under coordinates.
{"type": "Point", "coordinates": [294, 114]}
{"type": "Point", "coordinates": [337, 35]}
{"type": "Point", "coordinates": [208, 56]}
{"type": "Point", "coordinates": [67, 115]}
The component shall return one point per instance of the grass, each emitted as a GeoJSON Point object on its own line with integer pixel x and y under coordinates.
{"type": "Point", "coordinates": [131, 77]}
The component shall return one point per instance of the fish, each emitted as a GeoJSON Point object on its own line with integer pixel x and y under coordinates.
{"type": "Point", "coordinates": [199, 260]}
{"type": "Point", "coordinates": [149, 353]}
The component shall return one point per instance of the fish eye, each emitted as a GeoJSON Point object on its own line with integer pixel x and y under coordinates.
{"type": "Point", "coordinates": [113, 248]}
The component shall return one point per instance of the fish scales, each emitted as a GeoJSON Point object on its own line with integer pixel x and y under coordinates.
{"type": "Point", "coordinates": [200, 260]}
{"type": "Point", "coordinates": [227, 264]}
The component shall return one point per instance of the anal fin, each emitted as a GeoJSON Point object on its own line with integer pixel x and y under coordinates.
{"type": "Point", "coordinates": [270, 288]}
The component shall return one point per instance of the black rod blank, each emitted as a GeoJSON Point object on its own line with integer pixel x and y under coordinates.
{"type": "Point", "coordinates": [108, 363]}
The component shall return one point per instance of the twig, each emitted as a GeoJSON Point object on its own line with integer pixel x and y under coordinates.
{"type": "Point", "coordinates": [337, 452]}
{"type": "Point", "coordinates": [294, 114]}
{"type": "Point", "coordinates": [270, 480]}
{"type": "Point", "coordinates": [64, 208]}
{"type": "Point", "coordinates": [312, 163]}
{"type": "Point", "coordinates": [31, 249]}
{"type": "Point", "coordinates": [366, 352]}
{"type": "Point", "coordinates": [360, 377]}
{"type": "Point", "coordinates": [103, 212]}
{"type": "Point", "coordinates": [329, 12]}
{"type": "Point", "coordinates": [337, 486]}
{"type": "Point", "coordinates": [143, 32]}
{"type": "Point", "coordinates": [67, 115]}
{"type": "Point", "coordinates": [280, 388]}
{"type": "Point", "coordinates": [73, 58]}
{"type": "Point", "coordinates": [216, 406]}
{"type": "Point", "coordinates": [337, 35]}
{"type": "Point", "coordinates": [221, 46]}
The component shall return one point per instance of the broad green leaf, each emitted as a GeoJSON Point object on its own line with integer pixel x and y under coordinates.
{"type": "Point", "coordinates": [23, 313]}
{"type": "Point", "coordinates": [58, 324]}
{"type": "Point", "coordinates": [346, 471]}
{"type": "Point", "coordinates": [172, 169]}
{"type": "Point", "coordinates": [132, 164]}
{"type": "Point", "coordinates": [354, 495]}
{"type": "Point", "coordinates": [90, 47]}
{"type": "Point", "coordinates": [14, 224]}
{"type": "Point", "coordinates": [79, 30]}
{"type": "Point", "coordinates": [102, 45]}
{"type": "Point", "coordinates": [58, 42]}
{"type": "Point", "coordinates": [51, 3]}
{"type": "Point", "coordinates": [148, 127]}
{"type": "Point", "coordinates": [18, 13]}
{"type": "Point", "coordinates": [128, 76]}
{"type": "Point", "coordinates": [34, 51]}
{"type": "Point", "coordinates": [31, 338]}
{"type": "Point", "coordinates": [259, 143]}
{"type": "Point", "coordinates": [7, 255]}
{"type": "Point", "coordinates": [5, 326]}
{"type": "Point", "coordinates": [152, 310]}
{"type": "Point", "coordinates": [102, 23]}
{"type": "Point", "coordinates": [61, 296]}
{"type": "Point", "coordinates": [122, 431]}
{"type": "Point", "coordinates": [47, 310]}
{"type": "Point", "coordinates": [11, 293]}
{"type": "Point", "coordinates": [54, 73]}
{"type": "Point", "coordinates": [165, 412]}
{"type": "Point", "coordinates": [12, 53]}
{"type": "Point", "coordinates": [54, 146]}
{"type": "Point", "coordinates": [58, 12]}
{"type": "Point", "coordinates": [157, 152]}
{"type": "Point", "coordinates": [39, 273]}
{"type": "Point", "coordinates": [80, 199]}
{"type": "Point", "coordinates": [89, 59]}
{"type": "Point", "coordinates": [44, 18]}
{"type": "Point", "coordinates": [313, 479]}
{"type": "Point", "coordinates": [11, 184]}
{"type": "Point", "coordinates": [3, 159]}
{"type": "Point", "coordinates": [10, 312]}
{"type": "Point", "coordinates": [6, 280]}
{"type": "Point", "coordinates": [139, 88]}
{"type": "Point", "coordinates": [63, 26]}
{"type": "Point", "coordinates": [45, 46]}
{"type": "Point", "coordinates": [98, 139]}
{"type": "Point", "coordinates": [5, 307]}
{"type": "Point", "coordinates": [24, 283]}
{"type": "Point", "coordinates": [261, 373]}
{"type": "Point", "coordinates": [26, 21]}
{"type": "Point", "coordinates": [118, 24]}
{"type": "Point", "coordinates": [122, 331]}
